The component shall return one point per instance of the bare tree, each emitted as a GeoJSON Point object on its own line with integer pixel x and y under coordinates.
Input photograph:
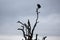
{"type": "Point", "coordinates": [28, 33]}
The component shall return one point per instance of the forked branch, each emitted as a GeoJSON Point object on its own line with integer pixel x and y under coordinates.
{"type": "Point", "coordinates": [38, 6]}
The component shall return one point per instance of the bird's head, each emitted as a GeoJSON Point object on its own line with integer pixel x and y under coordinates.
{"type": "Point", "coordinates": [39, 6]}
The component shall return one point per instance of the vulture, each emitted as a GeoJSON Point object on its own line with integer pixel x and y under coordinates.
{"type": "Point", "coordinates": [38, 5]}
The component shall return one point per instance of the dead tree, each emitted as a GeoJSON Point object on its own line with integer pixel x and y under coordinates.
{"type": "Point", "coordinates": [28, 33]}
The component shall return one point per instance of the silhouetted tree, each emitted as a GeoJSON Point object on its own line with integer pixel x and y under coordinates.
{"type": "Point", "coordinates": [28, 33]}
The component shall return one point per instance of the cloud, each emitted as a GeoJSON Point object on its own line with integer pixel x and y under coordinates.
{"type": "Point", "coordinates": [12, 11]}
{"type": "Point", "coordinates": [49, 25]}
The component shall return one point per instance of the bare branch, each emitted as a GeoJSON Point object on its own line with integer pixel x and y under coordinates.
{"type": "Point", "coordinates": [44, 37]}
{"type": "Point", "coordinates": [29, 23]}
{"type": "Point", "coordinates": [20, 22]}
{"type": "Point", "coordinates": [22, 31]}
{"type": "Point", "coordinates": [36, 20]}
{"type": "Point", "coordinates": [24, 24]}
{"type": "Point", "coordinates": [22, 27]}
{"type": "Point", "coordinates": [29, 26]}
{"type": "Point", "coordinates": [28, 33]}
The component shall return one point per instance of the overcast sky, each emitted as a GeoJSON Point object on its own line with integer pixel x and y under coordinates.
{"type": "Point", "coordinates": [13, 10]}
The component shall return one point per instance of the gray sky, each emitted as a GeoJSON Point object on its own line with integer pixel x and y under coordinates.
{"type": "Point", "coordinates": [13, 10]}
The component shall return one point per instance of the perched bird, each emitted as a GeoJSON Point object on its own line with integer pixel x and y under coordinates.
{"type": "Point", "coordinates": [38, 5]}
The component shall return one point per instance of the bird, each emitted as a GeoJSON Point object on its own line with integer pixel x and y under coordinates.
{"type": "Point", "coordinates": [38, 5]}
